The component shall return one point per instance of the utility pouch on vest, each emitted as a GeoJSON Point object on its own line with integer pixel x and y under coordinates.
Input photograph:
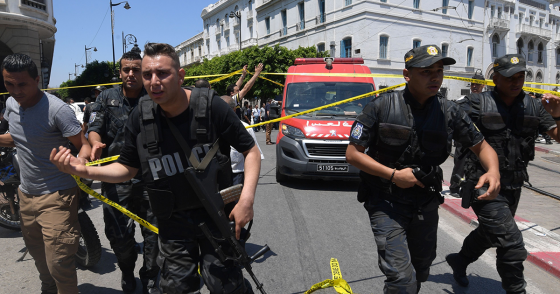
{"type": "Point", "coordinates": [161, 202]}
{"type": "Point", "coordinates": [430, 178]}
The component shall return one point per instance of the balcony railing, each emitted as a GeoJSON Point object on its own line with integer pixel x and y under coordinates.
{"type": "Point", "coordinates": [39, 4]}
{"type": "Point", "coordinates": [499, 23]}
{"type": "Point", "coordinates": [321, 18]}
{"type": "Point", "coordinates": [250, 42]}
{"type": "Point", "coordinates": [535, 31]}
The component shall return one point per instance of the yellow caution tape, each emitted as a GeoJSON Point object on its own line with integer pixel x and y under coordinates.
{"type": "Point", "coordinates": [103, 160]}
{"type": "Point", "coordinates": [225, 76]}
{"type": "Point", "coordinates": [125, 211]}
{"type": "Point", "coordinates": [281, 85]}
{"type": "Point", "coordinates": [337, 282]}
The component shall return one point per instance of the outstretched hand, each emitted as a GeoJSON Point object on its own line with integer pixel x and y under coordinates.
{"type": "Point", "coordinates": [493, 182]}
{"type": "Point", "coordinates": [259, 68]}
{"type": "Point", "coordinates": [96, 150]}
{"type": "Point", "coordinates": [67, 163]}
{"type": "Point", "coordinates": [551, 104]}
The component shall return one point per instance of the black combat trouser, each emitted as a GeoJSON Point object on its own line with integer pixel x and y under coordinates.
{"type": "Point", "coordinates": [183, 247]}
{"type": "Point", "coordinates": [497, 228]}
{"type": "Point", "coordinates": [458, 168]}
{"type": "Point", "coordinates": [119, 228]}
{"type": "Point", "coordinates": [406, 245]}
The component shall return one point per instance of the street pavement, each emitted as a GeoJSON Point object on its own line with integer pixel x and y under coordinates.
{"type": "Point", "coordinates": [306, 223]}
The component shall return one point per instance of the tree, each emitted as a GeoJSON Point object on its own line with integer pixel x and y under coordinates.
{"type": "Point", "coordinates": [95, 73]}
{"type": "Point", "coordinates": [276, 59]}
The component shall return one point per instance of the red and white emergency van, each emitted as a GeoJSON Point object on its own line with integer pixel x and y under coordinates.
{"type": "Point", "coordinates": [314, 145]}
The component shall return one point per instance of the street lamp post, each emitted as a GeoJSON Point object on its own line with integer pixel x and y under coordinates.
{"type": "Point", "coordinates": [76, 68]}
{"type": "Point", "coordinates": [238, 15]}
{"type": "Point", "coordinates": [129, 39]}
{"type": "Point", "coordinates": [94, 49]}
{"type": "Point", "coordinates": [126, 6]}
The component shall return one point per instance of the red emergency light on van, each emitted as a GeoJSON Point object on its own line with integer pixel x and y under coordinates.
{"type": "Point", "coordinates": [314, 145]}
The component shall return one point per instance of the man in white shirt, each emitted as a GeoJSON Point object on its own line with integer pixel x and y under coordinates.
{"type": "Point", "coordinates": [256, 117]}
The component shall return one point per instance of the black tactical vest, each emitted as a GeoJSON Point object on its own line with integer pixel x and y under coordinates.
{"type": "Point", "coordinates": [511, 132]}
{"type": "Point", "coordinates": [399, 144]}
{"type": "Point", "coordinates": [161, 171]}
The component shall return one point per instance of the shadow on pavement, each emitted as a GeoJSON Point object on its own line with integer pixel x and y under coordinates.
{"type": "Point", "coordinates": [322, 185]}
{"type": "Point", "coordinates": [477, 284]}
{"type": "Point", "coordinates": [89, 288]}
{"type": "Point", "coordinates": [253, 248]}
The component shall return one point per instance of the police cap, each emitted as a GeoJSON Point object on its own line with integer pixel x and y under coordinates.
{"type": "Point", "coordinates": [510, 64]}
{"type": "Point", "coordinates": [425, 56]}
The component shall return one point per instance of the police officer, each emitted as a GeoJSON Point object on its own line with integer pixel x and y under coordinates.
{"type": "Point", "coordinates": [509, 119]}
{"type": "Point", "coordinates": [106, 128]}
{"type": "Point", "coordinates": [409, 135]}
{"type": "Point", "coordinates": [179, 211]}
{"type": "Point", "coordinates": [459, 159]}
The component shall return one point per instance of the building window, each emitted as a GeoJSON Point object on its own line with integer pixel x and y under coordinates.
{"type": "Point", "coordinates": [227, 41]}
{"type": "Point", "coordinates": [469, 56]}
{"type": "Point", "coordinates": [521, 15]}
{"type": "Point", "coordinates": [219, 44]}
{"type": "Point", "coordinates": [321, 47]}
{"type": "Point", "coordinates": [284, 22]}
{"type": "Point", "coordinates": [416, 4]}
{"type": "Point", "coordinates": [557, 56]}
{"type": "Point", "coordinates": [520, 46]}
{"type": "Point", "coordinates": [348, 2]}
{"type": "Point", "coordinates": [495, 43]}
{"type": "Point", "coordinates": [384, 1]}
{"type": "Point", "coordinates": [250, 4]}
{"type": "Point", "coordinates": [321, 11]}
{"type": "Point", "coordinates": [346, 47]}
{"type": "Point", "coordinates": [529, 76]}
{"type": "Point", "coordinates": [251, 32]}
{"type": "Point", "coordinates": [531, 48]}
{"type": "Point", "coordinates": [558, 78]}
{"type": "Point", "coordinates": [540, 53]}
{"type": "Point", "coordinates": [444, 3]}
{"type": "Point", "coordinates": [416, 43]}
{"type": "Point", "coordinates": [492, 11]}
{"type": "Point", "coordinates": [499, 12]}
{"type": "Point", "coordinates": [531, 20]}
{"type": "Point", "coordinates": [383, 46]}
{"type": "Point", "coordinates": [301, 8]}
{"type": "Point", "coordinates": [539, 78]}
{"type": "Point", "coordinates": [333, 50]}
{"type": "Point", "coordinates": [444, 50]}
{"type": "Point", "coordinates": [541, 22]}
{"type": "Point", "coordinates": [471, 8]}
{"type": "Point", "coordinates": [267, 24]}
{"type": "Point", "coordinates": [207, 29]}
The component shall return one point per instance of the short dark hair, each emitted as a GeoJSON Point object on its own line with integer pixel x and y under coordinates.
{"type": "Point", "coordinates": [87, 99]}
{"type": "Point", "coordinates": [20, 62]}
{"type": "Point", "coordinates": [68, 99]}
{"type": "Point", "coordinates": [230, 89]}
{"type": "Point", "coordinates": [155, 49]}
{"type": "Point", "coordinates": [202, 83]}
{"type": "Point", "coordinates": [130, 55]}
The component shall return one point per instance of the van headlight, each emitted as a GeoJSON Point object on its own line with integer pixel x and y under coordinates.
{"type": "Point", "coordinates": [293, 132]}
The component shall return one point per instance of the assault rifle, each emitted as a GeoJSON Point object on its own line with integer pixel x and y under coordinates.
{"type": "Point", "coordinates": [203, 183]}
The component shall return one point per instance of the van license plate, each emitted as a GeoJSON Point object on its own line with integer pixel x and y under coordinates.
{"type": "Point", "coordinates": [332, 168]}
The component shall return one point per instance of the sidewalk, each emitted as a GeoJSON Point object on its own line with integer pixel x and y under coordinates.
{"type": "Point", "coordinates": [542, 244]}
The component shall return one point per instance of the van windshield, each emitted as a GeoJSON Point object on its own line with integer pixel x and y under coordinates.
{"type": "Point", "coordinates": [305, 96]}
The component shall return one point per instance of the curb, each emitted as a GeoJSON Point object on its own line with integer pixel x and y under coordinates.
{"type": "Point", "coordinates": [542, 245]}
{"type": "Point", "coordinates": [546, 150]}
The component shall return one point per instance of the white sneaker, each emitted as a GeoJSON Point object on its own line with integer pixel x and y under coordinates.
{"type": "Point", "coordinates": [540, 140]}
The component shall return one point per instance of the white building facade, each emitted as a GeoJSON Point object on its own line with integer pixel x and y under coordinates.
{"type": "Point", "coordinates": [473, 32]}
{"type": "Point", "coordinates": [28, 27]}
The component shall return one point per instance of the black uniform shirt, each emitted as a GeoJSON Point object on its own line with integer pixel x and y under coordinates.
{"type": "Point", "coordinates": [365, 134]}
{"type": "Point", "coordinates": [229, 128]}
{"type": "Point", "coordinates": [472, 108]}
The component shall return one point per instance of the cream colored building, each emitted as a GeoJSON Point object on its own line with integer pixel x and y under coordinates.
{"type": "Point", "coordinates": [28, 27]}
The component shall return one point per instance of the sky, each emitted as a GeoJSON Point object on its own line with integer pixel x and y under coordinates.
{"type": "Point", "coordinates": [82, 23]}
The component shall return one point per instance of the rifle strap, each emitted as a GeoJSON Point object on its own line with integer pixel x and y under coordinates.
{"type": "Point", "coordinates": [191, 159]}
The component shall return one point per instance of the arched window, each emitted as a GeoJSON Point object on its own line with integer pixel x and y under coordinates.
{"type": "Point", "coordinates": [346, 47]}
{"type": "Point", "coordinates": [383, 46]}
{"type": "Point", "coordinates": [539, 78]}
{"type": "Point", "coordinates": [237, 8]}
{"type": "Point", "coordinates": [470, 51]}
{"type": "Point", "coordinates": [529, 76]}
{"type": "Point", "coordinates": [558, 78]}
{"type": "Point", "coordinates": [531, 48]}
{"type": "Point", "coordinates": [321, 47]}
{"type": "Point", "coordinates": [495, 43]}
{"type": "Point", "coordinates": [226, 17]}
{"type": "Point", "coordinates": [557, 56]}
{"type": "Point", "coordinates": [520, 46]}
{"type": "Point", "coordinates": [416, 43]}
{"type": "Point", "coordinates": [540, 53]}
{"type": "Point", "coordinates": [444, 49]}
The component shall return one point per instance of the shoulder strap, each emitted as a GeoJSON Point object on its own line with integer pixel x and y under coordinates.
{"type": "Point", "coordinates": [148, 125]}
{"type": "Point", "coordinates": [201, 103]}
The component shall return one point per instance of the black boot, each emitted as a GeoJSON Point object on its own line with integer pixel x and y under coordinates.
{"type": "Point", "coordinates": [459, 265]}
{"type": "Point", "coordinates": [128, 282]}
{"type": "Point", "coordinates": [150, 287]}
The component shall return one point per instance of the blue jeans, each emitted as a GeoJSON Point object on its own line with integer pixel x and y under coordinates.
{"type": "Point", "coordinates": [256, 121]}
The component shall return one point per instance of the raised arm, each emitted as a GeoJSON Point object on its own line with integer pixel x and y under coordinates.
{"type": "Point", "coordinates": [251, 82]}
{"type": "Point", "coordinates": [242, 77]}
